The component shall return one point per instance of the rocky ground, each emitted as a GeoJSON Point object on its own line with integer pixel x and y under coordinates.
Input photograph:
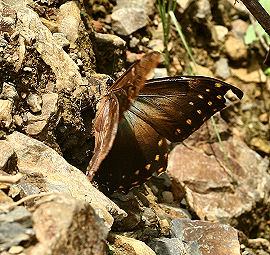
{"type": "Point", "coordinates": [55, 57]}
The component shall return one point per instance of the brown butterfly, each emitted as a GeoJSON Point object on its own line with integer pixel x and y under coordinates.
{"type": "Point", "coordinates": [135, 117]}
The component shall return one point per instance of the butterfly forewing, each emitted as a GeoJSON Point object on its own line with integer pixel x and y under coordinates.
{"type": "Point", "coordinates": [117, 100]}
{"type": "Point", "coordinates": [182, 104]}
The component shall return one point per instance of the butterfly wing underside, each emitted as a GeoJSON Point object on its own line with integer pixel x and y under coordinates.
{"type": "Point", "coordinates": [112, 106]}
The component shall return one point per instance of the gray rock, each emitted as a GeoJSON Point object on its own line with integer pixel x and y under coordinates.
{"type": "Point", "coordinates": [169, 246]}
{"type": "Point", "coordinates": [65, 225]}
{"type": "Point", "coordinates": [202, 237]}
{"type": "Point", "coordinates": [34, 101]}
{"type": "Point", "coordinates": [160, 72]}
{"type": "Point", "coordinates": [36, 123]}
{"type": "Point", "coordinates": [239, 28]}
{"type": "Point", "coordinates": [147, 5]}
{"type": "Point", "coordinates": [48, 171]}
{"type": "Point", "coordinates": [15, 227]}
{"type": "Point", "coordinates": [125, 21]}
{"type": "Point", "coordinates": [167, 197]}
{"type": "Point", "coordinates": [222, 69]}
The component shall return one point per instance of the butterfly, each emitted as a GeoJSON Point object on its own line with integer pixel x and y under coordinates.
{"type": "Point", "coordinates": [135, 116]}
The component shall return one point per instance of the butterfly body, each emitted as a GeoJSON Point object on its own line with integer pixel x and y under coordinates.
{"type": "Point", "coordinates": [134, 121]}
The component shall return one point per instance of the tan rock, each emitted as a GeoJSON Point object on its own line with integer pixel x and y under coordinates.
{"type": "Point", "coordinates": [64, 225]}
{"type": "Point", "coordinates": [249, 76]}
{"type": "Point", "coordinates": [236, 49]}
{"type": "Point", "coordinates": [126, 245]}
{"type": "Point", "coordinates": [6, 107]}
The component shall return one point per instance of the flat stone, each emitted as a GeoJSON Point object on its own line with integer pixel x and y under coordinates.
{"type": "Point", "coordinates": [125, 21]}
{"type": "Point", "coordinates": [56, 175]}
{"type": "Point", "coordinates": [15, 227]}
{"type": "Point", "coordinates": [202, 70]}
{"type": "Point", "coordinates": [245, 75]}
{"type": "Point", "coordinates": [203, 177]}
{"type": "Point", "coordinates": [65, 225]}
{"type": "Point", "coordinates": [209, 238]}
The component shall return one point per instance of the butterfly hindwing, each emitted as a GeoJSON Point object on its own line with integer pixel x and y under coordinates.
{"type": "Point", "coordinates": [138, 151]}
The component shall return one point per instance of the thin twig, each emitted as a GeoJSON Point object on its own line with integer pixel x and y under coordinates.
{"type": "Point", "coordinates": [7, 207]}
{"type": "Point", "coordinates": [10, 178]}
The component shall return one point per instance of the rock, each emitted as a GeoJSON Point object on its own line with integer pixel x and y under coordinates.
{"type": "Point", "coordinates": [247, 76]}
{"type": "Point", "coordinates": [134, 42]}
{"type": "Point", "coordinates": [208, 237]}
{"type": "Point", "coordinates": [239, 28]}
{"type": "Point", "coordinates": [260, 243]}
{"type": "Point", "coordinates": [111, 51]}
{"type": "Point", "coordinates": [6, 153]}
{"type": "Point", "coordinates": [15, 227]}
{"type": "Point", "coordinates": [125, 21]}
{"type": "Point", "coordinates": [204, 9]}
{"type": "Point", "coordinates": [239, 7]}
{"type": "Point", "coordinates": [160, 72]}
{"type": "Point", "coordinates": [16, 249]}
{"type": "Point", "coordinates": [167, 197]}
{"type": "Point", "coordinates": [184, 4]}
{"type": "Point", "coordinates": [236, 49]}
{"type": "Point", "coordinates": [34, 101]}
{"type": "Point", "coordinates": [65, 225]}
{"type": "Point", "coordinates": [222, 69]}
{"type": "Point", "coordinates": [203, 177]}
{"type": "Point", "coordinates": [260, 145]}
{"type": "Point", "coordinates": [68, 21]}
{"type": "Point", "coordinates": [156, 45]}
{"type": "Point", "coordinates": [8, 18]}
{"type": "Point", "coordinates": [52, 25]}
{"type": "Point", "coordinates": [53, 174]}
{"type": "Point", "coordinates": [9, 92]}
{"type": "Point", "coordinates": [264, 117]}
{"type": "Point", "coordinates": [198, 238]}
{"type": "Point", "coordinates": [127, 245]}
{"type": "Point", "coordinates": [65, 70]}
{"type": "Point", "coordinates": [61, 39]}
{"type": "Point", "coordinates": [36, 123]}
{"type": "Point", "coordinates": [170, 246]}
{"type": "Point", "coordinates": [221, 32]}
{"type": "Point", "coordinates": [147, 5]}
{"type": "Point", "coordinates": [6, 107]}
{"type": "Point", "coordinates": [201, 70]}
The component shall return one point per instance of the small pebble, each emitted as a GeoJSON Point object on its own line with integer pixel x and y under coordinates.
{"type": "Point", "coordinates": [15, 249]}
{"type": "Point", "coordinates": [35, 102]}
